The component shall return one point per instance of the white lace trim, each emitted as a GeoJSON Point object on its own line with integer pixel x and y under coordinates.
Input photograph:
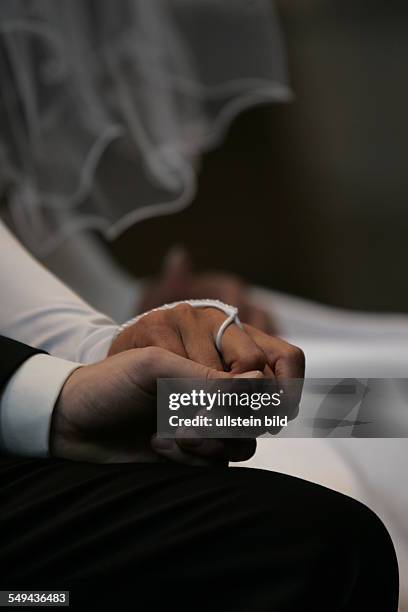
{"type": "Point", "coordinates": [230, 311]}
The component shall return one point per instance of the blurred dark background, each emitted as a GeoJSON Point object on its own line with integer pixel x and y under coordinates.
{"type": "Point", "coordinates": [310, 197]}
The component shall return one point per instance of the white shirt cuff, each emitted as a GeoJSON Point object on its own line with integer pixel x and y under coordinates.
{"type": "Point", "coordinates": [27, 403]}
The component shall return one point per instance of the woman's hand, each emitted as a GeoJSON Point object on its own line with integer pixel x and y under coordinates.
{"type": "Point", "coordinates": [190, 333]}
{"type": "Point", "coordinates": [179, 282]}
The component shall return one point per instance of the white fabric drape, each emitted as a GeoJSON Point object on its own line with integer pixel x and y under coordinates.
{"type": "Point", "coordinates": [106, 105]}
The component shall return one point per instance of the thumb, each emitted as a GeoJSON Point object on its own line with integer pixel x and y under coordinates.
{"type": "Point", "coordinates": [170, 365]}
{"type": "Point", "coordinates": [144, 366]}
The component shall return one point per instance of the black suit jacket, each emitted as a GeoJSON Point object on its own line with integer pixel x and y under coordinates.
{"type": "Point", "coordinates": [12, 355]}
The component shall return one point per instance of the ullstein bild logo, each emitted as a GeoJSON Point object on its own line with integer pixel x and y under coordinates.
{"type": "Point", "coordinates": [308, 408]}
{"type": "Point", "coordinates": [226, 421]}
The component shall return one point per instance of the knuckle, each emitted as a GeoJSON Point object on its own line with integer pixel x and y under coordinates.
{"type": "Point", "coordinates": [254, 359]}
{"type": "Point", "coordinates": [296, 354]}
{"type": "Point", "coordinates": [184, 311]}
{"type": "Point", "coordinates": [212, 315]}
{"type": "Point", "coordinates": [158, 318]}
{"type": "Point", "coordinates": [150, 356]}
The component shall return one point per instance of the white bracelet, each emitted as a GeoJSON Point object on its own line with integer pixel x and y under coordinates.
{"type": "Point", "coordinates": [230, 311]}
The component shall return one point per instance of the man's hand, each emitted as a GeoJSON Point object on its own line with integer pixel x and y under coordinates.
{"type": "Point", "coordinates": [106, 413]}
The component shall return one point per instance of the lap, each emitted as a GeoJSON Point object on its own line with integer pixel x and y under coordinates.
{"type": "Point", "coordinates": [158, 530]}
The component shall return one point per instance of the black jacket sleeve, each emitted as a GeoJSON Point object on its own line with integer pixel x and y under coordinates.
{"type": "Point", "coordinates": [12, 355]}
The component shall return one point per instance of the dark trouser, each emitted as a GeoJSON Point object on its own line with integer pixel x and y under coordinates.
{"type": "Point", "coordinates": [147, 537]}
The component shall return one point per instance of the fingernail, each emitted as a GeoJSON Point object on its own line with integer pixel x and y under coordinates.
{"type": "Point", "coordinates": [253, 374]}
{"type": "Point", "coordinates": [162, 443]}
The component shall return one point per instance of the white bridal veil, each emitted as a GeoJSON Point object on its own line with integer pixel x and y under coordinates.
{"type": "Point", "coordinates": [106, 105]}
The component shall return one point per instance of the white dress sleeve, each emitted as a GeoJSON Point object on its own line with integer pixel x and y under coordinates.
{"type": "Point", "coordinates": [85, 264]}
{"type": "Point", "coordinates": [38, 309]}
{"type": "Point", "coordinates": [27, 403]}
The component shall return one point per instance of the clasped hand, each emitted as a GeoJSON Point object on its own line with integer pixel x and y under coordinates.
{"type": "Point", "coordinates": [106, 411]}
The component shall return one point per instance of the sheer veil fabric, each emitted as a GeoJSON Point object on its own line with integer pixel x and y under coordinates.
{"type": "Point", "coordinates": [106, 106]}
